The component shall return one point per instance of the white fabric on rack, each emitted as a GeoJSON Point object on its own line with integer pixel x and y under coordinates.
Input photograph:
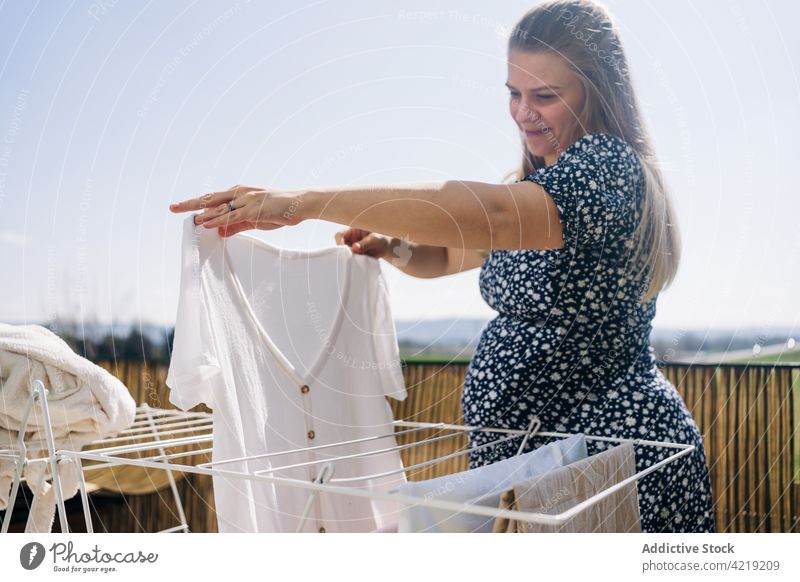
{"type": "Point", "coordinates": [482, 486]}
{"type": "Point", "coordinates": [86, 402]}
{"type": "Point", "coordinates": [290, 349]}
{"type": "Point", "coordinates": [41, 521]}
{"type": "Point", "coordinates": [561, 489]}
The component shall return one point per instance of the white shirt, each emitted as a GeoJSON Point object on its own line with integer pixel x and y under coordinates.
{"type": "Point", "coordinates": [290, 349]}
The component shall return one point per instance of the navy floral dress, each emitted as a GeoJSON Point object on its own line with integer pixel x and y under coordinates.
{"type": "Point", "coordinates": [570, 343]}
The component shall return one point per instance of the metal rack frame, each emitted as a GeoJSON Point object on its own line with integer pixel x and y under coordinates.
{"type": "Point", "coordinates": [160, 429]}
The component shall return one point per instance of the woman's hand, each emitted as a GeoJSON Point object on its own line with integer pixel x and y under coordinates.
{"type": "Point", "coordinates": [363, 242]}
{"type": "Point", "coordinates": [242, 208]}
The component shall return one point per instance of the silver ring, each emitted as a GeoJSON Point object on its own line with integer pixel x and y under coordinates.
{"type": "Point", "coordinates": [230, 207]}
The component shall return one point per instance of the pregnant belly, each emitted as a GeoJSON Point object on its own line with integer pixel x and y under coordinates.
{"type": "Point", "coordinates": [513, 356]}
{"type": "Point", "coordinates": [520, 369]}
{"type": "Point", "coordinates": [548, 350]}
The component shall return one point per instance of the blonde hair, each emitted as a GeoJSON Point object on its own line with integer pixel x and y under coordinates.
{"type": "Point", "coordinates": [582, 32]}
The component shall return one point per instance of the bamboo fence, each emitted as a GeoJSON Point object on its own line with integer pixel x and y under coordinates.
{"type": "Point", "coordinates": [748, 415]}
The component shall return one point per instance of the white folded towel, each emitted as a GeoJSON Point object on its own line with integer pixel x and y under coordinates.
{"type": "Point", "coordinates": [86, 403]}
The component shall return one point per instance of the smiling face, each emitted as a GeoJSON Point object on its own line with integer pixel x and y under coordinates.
{"type": "Point", "coordinates": [546, 96]}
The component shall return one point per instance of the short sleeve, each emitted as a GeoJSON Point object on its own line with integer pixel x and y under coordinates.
{"type": "Point", "coordinates": [384, 334]}
{"type": "Point", "coordinates": [193, 364]}
{"type": "Point", "coordinates": [595, 184]}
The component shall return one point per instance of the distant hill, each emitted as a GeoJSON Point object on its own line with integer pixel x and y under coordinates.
{"type": "Point", "coordinates": [437, 338]}
{"type": "Point", "coordinates": [787, 352]}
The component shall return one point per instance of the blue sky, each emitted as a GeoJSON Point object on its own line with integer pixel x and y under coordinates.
{"type": "Point", "coordinates": [110, 110]}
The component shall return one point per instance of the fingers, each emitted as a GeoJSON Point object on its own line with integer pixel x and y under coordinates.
{"type": "Point", "coordinates": [373, 245]}
{"type": "Point", "coordinates": [211, 199]}
{"type": "Point", "coordinates": [345, 237]}
{"type": "Point", "coordinates": [362, 242]}
{"type": "Point", "coordinates": [215, 212]}
{"type": "Point", "coordinates": [230, 230]}
{"type": "Point", "coordinates": [224, 216]}
{"type": "Point", "coordinates": [227, 220]}
{"type": "Point", "coordinates": [201, 203]}
{"type": "Point", "coordinates": [350, 236]}
{"type": "Point", "coordinates": [353, 235]}
{"type": "Point", "coordinates": [364, 245]}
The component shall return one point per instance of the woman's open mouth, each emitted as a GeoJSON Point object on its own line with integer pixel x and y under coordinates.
{"type": "Point", "coordinates": [537, 132]}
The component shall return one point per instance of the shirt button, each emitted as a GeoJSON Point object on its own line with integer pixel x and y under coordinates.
{"type": "Point", "coordinates": [310, 434]}
{"type": "Point", "coordinates": [304, 389]}
{"type": "Point", "coordinates": [322, 530]}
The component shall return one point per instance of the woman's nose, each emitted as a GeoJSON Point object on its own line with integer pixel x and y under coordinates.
{"type": "Point", "coordinates": [525, 114]}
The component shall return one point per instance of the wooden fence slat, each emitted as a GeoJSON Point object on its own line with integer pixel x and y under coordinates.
{"type": "Point", "coordinates": [793, 437]}
{"type": "Point", "coordinates": [742, 452]}
{"type": "Point", "coordinates": [750, 447]}
{"type": "Point", "coordinates": [718, 459]}
{"type": "Point", "coordinates": [759, 457]}
{"type": "Point", "coordinates": [774, 457]}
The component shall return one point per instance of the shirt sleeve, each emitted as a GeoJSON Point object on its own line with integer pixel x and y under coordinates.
{"type": "Point", "coordinates": [384, 335]}
{"type": "Point", "coordinates": [594, 185]}
{"type": "Point", "coordinates": [193, 364]}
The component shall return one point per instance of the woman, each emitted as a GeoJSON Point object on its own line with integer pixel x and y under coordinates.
{"type": "Point", "coordinates": [579, 246]}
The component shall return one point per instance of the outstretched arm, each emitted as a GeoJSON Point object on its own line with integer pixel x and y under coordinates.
{"type": "Point", "coordinates": [455, 214]}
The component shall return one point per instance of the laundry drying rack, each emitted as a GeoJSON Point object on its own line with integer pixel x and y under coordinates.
{"type": "Point", "coordinates": [156, 430]}
{"type": "Point", "coordinates": [150, 427]}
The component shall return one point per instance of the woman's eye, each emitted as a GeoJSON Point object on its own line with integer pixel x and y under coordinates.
{"type": "Point", "coordinates": [545, 96]}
